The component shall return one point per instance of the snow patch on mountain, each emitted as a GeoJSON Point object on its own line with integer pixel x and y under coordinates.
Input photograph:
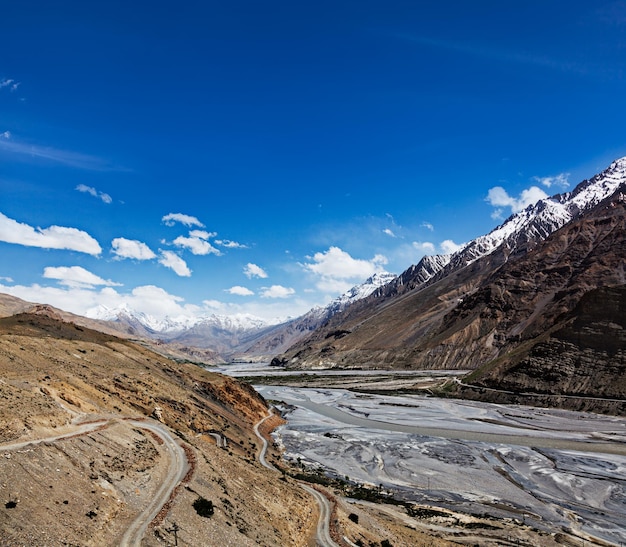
{"type": "Point", "coordinates": [175, 325]}
{"type": "Point", "coordinates": [539, 220]}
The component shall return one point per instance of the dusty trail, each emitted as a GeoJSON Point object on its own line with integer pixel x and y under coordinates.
{"type": "Point", "coordinates": [177, 470]}
{"type": "Point", "coordinates": [323, 524]}
{"type": "Point", "coordinates": [178, 466]}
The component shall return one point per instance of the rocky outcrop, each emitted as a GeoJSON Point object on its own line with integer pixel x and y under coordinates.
{"type": "Point", "coordinates": [582, 359]}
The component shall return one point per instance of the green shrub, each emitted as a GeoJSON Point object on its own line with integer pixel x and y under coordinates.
{"type": "Point", "coordinates": [203, 507]}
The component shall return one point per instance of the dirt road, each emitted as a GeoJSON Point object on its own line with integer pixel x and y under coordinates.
{"type": "Point", "coordinates": [323, 524]}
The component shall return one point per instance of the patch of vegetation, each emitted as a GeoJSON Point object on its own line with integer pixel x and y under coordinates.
{"type": "Point", "coordinates": [204, 507]}
{"type": "Point", "coordinates": [340, 333]}
{"type": "Point", "coordinates": [424, 512]}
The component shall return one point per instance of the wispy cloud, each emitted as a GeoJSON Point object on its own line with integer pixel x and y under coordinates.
{"type": "Point", "coordinates": [428, 226]}
{"type": "Point", "coordinates": [9, 83]}
{"type": "Point", "coordinates": [613, 13]}
{"type": "Point", "coordinates": [54, 237]}
{"type": "Point", "coordinates": [106, 198]}
{"type": "Point", "coordinates": [389, 232]}
{"type": "Point", "coordinates": [240, 291]}
{"type": "Point", "coordinates": [425, 247]}
{"type": "Point", "coordinates": [252, 270]}
{"type": "Point", "coordinates": [131, 248]}
{"type": "Point", "coordinates": [188, 220]}
{"type": "Point", "coordinates": [76, 276]}
{"type": "Point", "coordinates": [560, 181]}
{"type": "Point", "coordinates": [230, 244]}
{"type": "Point", "coordinates": [497, 53]}
{"type": "Point", "coordinates": [175, 263]}
{"type": "Point", "coordinates": [25, 151]}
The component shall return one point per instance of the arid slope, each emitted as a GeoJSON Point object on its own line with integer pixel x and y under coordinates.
{"type": "Point", "coordinates": [86, 489]}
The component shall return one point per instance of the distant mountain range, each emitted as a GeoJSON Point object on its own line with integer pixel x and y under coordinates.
{"type": "Point", "coordinates": [240, 336]}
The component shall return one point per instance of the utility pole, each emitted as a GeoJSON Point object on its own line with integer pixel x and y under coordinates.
{"type": "Point", "coordinates": [174, 529]}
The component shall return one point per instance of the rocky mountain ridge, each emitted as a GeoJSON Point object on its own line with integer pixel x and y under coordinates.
{"type": "Point", "coordinates": [488, 300]}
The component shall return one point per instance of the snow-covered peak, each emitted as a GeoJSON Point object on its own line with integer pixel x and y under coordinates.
{"type": "Point", "coordinates": [233, 323]}
{"type": "Point", "coordinates": [591, 192]}
{"type": "Point", "coordinates": [547, 215]}
{"type": "Point", "coordinates": [366, 288]}
{"type": "Point", "coordinates": [169, 325]}
{"type": "Point", "coordinates": [125, 313]}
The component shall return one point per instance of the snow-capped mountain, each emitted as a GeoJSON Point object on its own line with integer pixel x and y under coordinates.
{"type": "Point", "coordinates": [233, 334]}
{"type": "Point", "coordinates": [464, 309]}
{"type": "Point", "coordinates": [357, 292]}
{"type": "Point", "coordinates": [518, 233]}
{"type": "Point", "coordinates": [539, 220]}
{"type": "Point", "coordinates": [287, 334]}
{"type": "Point", "coordinates": [125, 314]}
{"type": "Point", "coordinates": [173, 326]}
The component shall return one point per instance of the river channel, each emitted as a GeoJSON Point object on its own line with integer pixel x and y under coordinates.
{"type": "Point", "coordinates": [556, 470]}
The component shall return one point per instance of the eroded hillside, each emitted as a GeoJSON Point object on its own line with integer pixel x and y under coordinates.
{"type": "Point", "coordinates": [88, 395]}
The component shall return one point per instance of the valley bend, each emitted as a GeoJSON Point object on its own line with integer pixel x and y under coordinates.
{"type": "Point", "coordinates": [288, 274]}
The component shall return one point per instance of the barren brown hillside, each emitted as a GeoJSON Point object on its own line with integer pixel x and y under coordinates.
{"type": "Point", "coordinates": [104, 442]}
{"type": "Point", "coordinates": [85, 489]}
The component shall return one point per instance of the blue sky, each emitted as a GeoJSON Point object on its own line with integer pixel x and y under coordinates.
{"type": "Point", "coordinates": [263, 157]}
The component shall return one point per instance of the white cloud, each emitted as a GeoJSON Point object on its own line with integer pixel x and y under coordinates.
{"type": "Point", "coordinates": [202, 234]}
{"type": "Point", "coordinates": [240, 291]}
{"type": "Point", "coordinates": [6, 279]}
{"type": "Point", "coordinates": [172, 218]}
{"type": "Point", "coordinates": [252, 270]}
{"type": "Point", "coordinates": [10, 83]}
{"type": "Point", "coordinates": [131, 248]}
{"type": "Point", "coordinates": [428, 226]}
{"type": "Point", "coordinates": [156, 301]}
{"type": "Point", "coordinates": [171, 260]}
{"type": "Point", "coordinates": [560, 180]}
{"type": "Point", "coordinates": [230, 244]}
{"type": "Point", "coordinates": [389, 232]}
{"type": "Point", "coordinates": [54, 237]}
{"type": "Point", "coordinates": [337, 263]}
{"type": "Point", "coordinates": [197, 245]}
{"type": "Point", "coordinates": [425, 247]}
{"type": "Point", "coordinates": [498, 197]}
{"type": "Point", "coordinates": [448, 246]}
{"type": "Point", "coordinates": [106, 198]}
{"type": "Point", "coordinates": [337, 271]}
{"type": "Point", "coordinates": [75, 276]}
{"type": "Point", "coordinates": [277, 291]}
{"type": "Point", "coordinates": [5, 135]}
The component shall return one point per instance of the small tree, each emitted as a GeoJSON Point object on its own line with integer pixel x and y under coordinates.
{"type": "Point", "coordinates": [203, 507]}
